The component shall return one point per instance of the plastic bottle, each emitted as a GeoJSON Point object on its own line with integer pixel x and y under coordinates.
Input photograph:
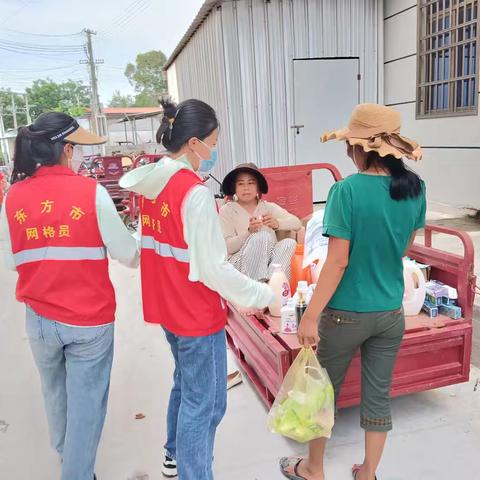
{"type": "Point", "coordinates": [302, 285]}
{"type": "Point", "coordinates": [281, 288]}
{"type": "Point", "coordinates": [298, 272]}
{"type": "Point", "coordinates": [301, 304]}
{"type": "Point", "coordinates": [415, 288]}
{"type": "Point", "coordinates": [289, 320]}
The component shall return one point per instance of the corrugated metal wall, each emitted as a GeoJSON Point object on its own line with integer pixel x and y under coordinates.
{"type": "Point", "coordinates": [241, 62]}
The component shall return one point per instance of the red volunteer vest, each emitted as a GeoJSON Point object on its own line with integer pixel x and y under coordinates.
{"type": "Point", "coordinates": [169, 298]}
{"type": "Point", "coordinates": [58, 250]}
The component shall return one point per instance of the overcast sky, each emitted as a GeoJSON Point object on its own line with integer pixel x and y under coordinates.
{"type": "Point", "coordinates": [124, 29]}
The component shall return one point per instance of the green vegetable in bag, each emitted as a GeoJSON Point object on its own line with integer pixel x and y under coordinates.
{"type": "Point", "coordinates": [304, 407]}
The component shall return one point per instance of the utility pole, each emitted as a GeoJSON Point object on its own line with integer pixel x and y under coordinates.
{"type": "Point", "coordinates": [27, 109]}
{"type": "Point", "coordinates": [94, 98]}
{"type": "Point", "coordinates": [3, 141]}
{"type": "Point", "coordinates": [14, 112]}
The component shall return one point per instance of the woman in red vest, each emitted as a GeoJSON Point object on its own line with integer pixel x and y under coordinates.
{"type": "Point", "coordinates": [185, 279]}
{"type": "Point", "coordinates": [55, 231]}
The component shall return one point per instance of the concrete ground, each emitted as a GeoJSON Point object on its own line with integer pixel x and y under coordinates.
{"type": "Point", "coordinates": [436, 436]}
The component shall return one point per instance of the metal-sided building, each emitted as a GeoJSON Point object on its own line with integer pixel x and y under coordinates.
{"type": "Point", "coordinates": [282, 72]}
{"type": "Point", "coordinates": [262, 65]}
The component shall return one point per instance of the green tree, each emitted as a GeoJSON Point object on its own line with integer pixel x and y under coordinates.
{"type": "Point", "coordinates": [6, 107]}
{"type": "Point", "coordinates": [146, 100]}
{"type": "Point", "coordinates": [70, 97]}
{"type": "Point", "coordinates": [119, 100]}
{"type": "Point", "coordinates": [147, 77]}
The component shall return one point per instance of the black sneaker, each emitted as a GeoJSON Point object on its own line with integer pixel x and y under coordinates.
{"type": "Point", "coordinates": [169, 467]}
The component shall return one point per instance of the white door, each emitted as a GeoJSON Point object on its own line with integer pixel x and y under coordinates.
{"type": "Point", "coordinates": [326, 91]}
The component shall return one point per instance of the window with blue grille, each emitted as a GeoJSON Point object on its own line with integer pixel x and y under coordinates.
{"type": "Point", "coordinates": [447, 69]}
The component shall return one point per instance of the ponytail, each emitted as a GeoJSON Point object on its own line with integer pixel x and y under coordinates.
{"type": "Point", "coordinates": [405, 183]}
{"type": "Point", "coordinates": [33, 146]}
{"type": "Point", "coordinates": [190, 119]}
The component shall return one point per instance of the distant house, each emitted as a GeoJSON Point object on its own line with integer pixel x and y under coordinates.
{"type": "Point", "coordinates": [281, 72]}
{"type": "Point", "coordinates": [131, 125]}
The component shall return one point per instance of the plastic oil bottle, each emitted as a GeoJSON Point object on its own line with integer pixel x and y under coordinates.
{"type": "Point", "coordinates": [301, 305]}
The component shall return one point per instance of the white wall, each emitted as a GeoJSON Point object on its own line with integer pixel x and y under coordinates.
{"type": "Point", "coordinates": [173, 83]}
{"type": "Point", "coordinates": [451, 163]}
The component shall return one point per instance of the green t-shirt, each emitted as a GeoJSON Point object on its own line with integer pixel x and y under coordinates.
{"type": "Point", "coordinates": [360, 209]}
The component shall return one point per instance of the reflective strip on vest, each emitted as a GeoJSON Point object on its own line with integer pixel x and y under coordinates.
{"type": "Point", "coordinates": [60, 253]}
{"type": "Point", "coordinates": [165, 250]}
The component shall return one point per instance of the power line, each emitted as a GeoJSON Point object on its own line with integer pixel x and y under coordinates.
{"type": "Point", "coordinates": [39, 69]}
{"type": "Point", "coordinates": [33, 77]}
{"type": "Point", "coordinates": [37, 46]}
{"type": "Point", "coordinates": [140, 7]}
{"type": "Point", "coordinates": [126, 21]}
{"type": "Point", "coordinates": [40, 50]}
{"type": "Point", "coordinates": [47, 35]}
{"type": "Point", "coordinates": [38, 54]}
{"type": "Point", "coordinates": [129, 9]}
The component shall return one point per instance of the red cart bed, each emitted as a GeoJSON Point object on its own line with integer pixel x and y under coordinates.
{"type": "Point", "coordinates": [434, 352]}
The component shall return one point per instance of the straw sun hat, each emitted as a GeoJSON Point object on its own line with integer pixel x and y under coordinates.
{"type": "Point", "coordinates": [376, 128]}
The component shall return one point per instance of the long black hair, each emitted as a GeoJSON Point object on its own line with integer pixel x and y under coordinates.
{"type": "Point", "coordinates": [33, 147]}
{"type": "Point", "coordinates": [190, 119]}
{"type": "Point", "coordinates": [405, 183]}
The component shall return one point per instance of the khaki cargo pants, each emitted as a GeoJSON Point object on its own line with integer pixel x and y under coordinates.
{"type": "Point", "coordinates": [378, 335]}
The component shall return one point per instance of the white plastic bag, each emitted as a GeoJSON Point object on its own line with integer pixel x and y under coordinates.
{"type": "Point", "coordinates": [316, 245]}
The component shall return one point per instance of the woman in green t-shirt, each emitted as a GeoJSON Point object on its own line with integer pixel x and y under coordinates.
{"type": "Point", "coordinates": [371, 219]}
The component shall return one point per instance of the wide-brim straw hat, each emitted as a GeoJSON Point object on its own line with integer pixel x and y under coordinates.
{"type": "Point", "coordinates": [376, 128]}
{"type": "Point", "coordinates": [228, 184]}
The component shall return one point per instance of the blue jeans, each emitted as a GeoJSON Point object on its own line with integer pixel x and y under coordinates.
{"type": "Point", "coordinates": [197, 403]}
{"type": "Point", "coordinates": [74, 365]}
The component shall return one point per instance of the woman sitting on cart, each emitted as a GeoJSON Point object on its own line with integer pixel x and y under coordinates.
{"type": "Point", "coordinates": [370, 219]}
{"type": "Point", "coordinates": [250, 224]}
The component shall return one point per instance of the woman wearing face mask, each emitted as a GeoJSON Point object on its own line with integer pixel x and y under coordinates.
{"type": "Point", "coordinates": [185, 279]}
{"type": "Point", "coordinates": [371, 219]}
{"type": "Point", "coordinates": [55, 231]}
{"type": "Point", "coordinates": [249, 225]}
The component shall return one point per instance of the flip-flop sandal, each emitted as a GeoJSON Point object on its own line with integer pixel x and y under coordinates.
{"type": "Point", "coordinates": [289, 465]}
{"type": "Point", "coordinates": [355, 470]}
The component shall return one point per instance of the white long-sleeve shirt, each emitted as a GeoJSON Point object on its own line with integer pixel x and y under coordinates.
{"type": "Point", "coordinates": [119, 242]}
{"type": "Point", "coordinates": [203, 235]}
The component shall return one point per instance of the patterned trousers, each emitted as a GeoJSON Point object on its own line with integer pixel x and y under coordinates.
{"type": "Point", "coordinates": [260, 252]}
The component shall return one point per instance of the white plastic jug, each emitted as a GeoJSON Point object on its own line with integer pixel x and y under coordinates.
{"type": "Point", "coordinates": [281, 288]}
{"type": "Point", "coordinates": [415, 288]}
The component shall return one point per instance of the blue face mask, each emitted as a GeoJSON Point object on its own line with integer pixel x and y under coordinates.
{"type": "Point", "coordinates": [206, 166]}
